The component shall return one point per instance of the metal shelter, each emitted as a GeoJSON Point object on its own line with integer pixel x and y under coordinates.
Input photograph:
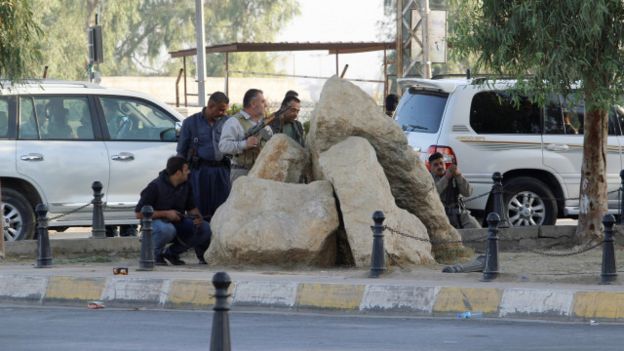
{"type": "Point", "coordinates": [335, 48]}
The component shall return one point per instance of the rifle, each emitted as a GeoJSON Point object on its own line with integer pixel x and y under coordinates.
{"type": "Point", "coordinates": [263, 123]}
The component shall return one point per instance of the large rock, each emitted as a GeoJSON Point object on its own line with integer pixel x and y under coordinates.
{"type": "Point", "coordinates": [362, 188]}
{"type": "Point", "coordinates": [282, 159]}
{"type": "Point", "coordinates": [268, 222]}
{"type": "Point", "coordinates": [345, 110]}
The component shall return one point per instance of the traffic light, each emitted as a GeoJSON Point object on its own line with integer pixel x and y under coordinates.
{"type": "Point", "coordinates": [96, 54]}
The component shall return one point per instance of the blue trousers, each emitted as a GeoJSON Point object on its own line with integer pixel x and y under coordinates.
{"type": "Point", "coordinates": [182, 235]}
{"type": "Point", "coordinates": [211, 187]}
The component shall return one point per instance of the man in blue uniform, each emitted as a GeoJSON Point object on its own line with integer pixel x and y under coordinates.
{"type": "Point", "coordinates": [210, 170]}
{"type": "Point", "coordinates": [175, 218]}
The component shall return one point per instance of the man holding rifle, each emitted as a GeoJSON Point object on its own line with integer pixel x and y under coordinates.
{"type": "Point", "coordinates": [245, 133]}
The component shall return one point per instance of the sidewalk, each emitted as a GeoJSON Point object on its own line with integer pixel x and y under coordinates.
{"type": "Point", "coordinates": [530, 285]}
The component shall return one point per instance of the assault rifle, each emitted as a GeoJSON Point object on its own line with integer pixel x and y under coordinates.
{"type": "Point", "coordinates": [263, 123]}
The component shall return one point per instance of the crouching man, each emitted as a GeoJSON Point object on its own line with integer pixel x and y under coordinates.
{"type": "Point", "coordinates": [452, 186]}
{"type": "Point", "coordinates": [176, 219]}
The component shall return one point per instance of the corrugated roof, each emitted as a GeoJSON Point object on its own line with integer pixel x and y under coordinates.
{"type": "Point", "coordinates": [332, 47]}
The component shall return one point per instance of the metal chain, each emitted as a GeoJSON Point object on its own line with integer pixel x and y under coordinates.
{"type": "Point", "coordinates": [70, 212]}
{"type": "Point", "coordinates": [583, 249]}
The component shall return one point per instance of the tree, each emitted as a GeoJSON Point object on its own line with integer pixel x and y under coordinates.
{"type": "Point", "coordinates": [138, 34]}
{"type": "Point", "coordinates": [572, 47]}
{"type": "Point", "coordinates": [17, 32]}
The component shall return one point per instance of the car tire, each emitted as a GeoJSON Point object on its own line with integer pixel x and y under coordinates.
{"type": "Point", "coordinates": [528, 201]}
{"type": "Point", "coordinates": [19, 215]}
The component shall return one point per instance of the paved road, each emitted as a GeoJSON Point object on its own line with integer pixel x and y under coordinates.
{"type": "Point", "coordinates": [67, 329]}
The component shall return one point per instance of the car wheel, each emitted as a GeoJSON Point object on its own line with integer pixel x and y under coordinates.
{"type": "Point", "coordinates": [19, 216]}
{"type": "Point", "coordinates": [528, 201]}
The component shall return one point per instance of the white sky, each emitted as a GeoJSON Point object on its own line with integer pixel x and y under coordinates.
{"type": "Point", "coordinates": [333, 21]}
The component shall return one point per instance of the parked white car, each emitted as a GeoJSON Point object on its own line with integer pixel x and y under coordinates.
{"type": "Point", "coordinates": [57, 138]}
{"type": "Point", "coordinates": [538, 151]}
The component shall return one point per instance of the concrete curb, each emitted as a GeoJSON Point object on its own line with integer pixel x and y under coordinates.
{"type": "Point", "coordinates": [529, 303]}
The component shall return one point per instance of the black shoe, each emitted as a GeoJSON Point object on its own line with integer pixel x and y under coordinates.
{"type": "Point", "coordinates": [159, 261]}
{"type": "Point", "coordinates": [173, 259]}
{"type": "Point", "coordinates": [201, 259]}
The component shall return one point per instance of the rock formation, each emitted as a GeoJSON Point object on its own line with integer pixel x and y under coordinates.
{"type": "Point", "coordinates": [282, 160]}
{"type": "Point", "coordinates": [344, 110]}
{"type": "Point", "coordinates": [362, 188]}
{"type": "Point", "coordinates": [269, 222]}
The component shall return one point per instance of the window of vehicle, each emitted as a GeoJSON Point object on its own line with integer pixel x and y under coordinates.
{"type": "Point", "coordinates": [421, 111]}
{"type": "Point", "coordinates": [55, 118]}
{"type": "Point", "coordinates": [133, 119]}
{"type": "Point", "coordinates": [496, 113]}
{"type": "Point", "coordinates": [4, 117]}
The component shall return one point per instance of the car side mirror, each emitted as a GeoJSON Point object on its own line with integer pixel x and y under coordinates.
{"type": "Point", "coordinates": [169, 134]}
{"type": "Point", "coordinates": [178, 128]}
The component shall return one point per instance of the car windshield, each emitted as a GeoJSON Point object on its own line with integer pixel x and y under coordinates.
{"type": "Point", "coordinates": [420, 111]}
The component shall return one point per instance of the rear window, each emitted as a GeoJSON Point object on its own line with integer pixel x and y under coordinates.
{"type": "Point", "coordinates": [420, 111]}
{"type": "Point", "coordinates": [496, 113]}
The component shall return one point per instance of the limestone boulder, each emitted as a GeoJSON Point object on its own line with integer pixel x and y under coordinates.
{"type": "Point", "coordinates": [269, 222]}
{"type": "Point", "coordinates": [345, 110]}
{"type": "Point", "coordinates": [282, 159]}
{"type": "Point", "coordinates": [362, 188]}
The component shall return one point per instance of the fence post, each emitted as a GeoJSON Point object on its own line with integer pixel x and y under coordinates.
{"type": "Point", "coordinates": [44, 253]}
{"type": "Point", "coordinates": [97, 226]}
{"type": "Point", "coordinates": [378, 264]}
{"type": "Point", "coordinates": [146, 263]}
{"type": "Point", "coordinates": [497, 198]}
{"type": "Point", "coordinates": [621, 196]}
{"type": "Point", "coordinates": [608, 274]}
{"type": "Point", "coordinates": [490, 271]}
{"type": "Point", "coordinates": [220, 338]}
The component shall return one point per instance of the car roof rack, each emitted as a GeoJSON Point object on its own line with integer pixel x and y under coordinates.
{"type": "Point", "coordinates": [49, 82]}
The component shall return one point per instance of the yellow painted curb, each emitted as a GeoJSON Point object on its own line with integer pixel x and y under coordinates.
{"type": "Point", "coordinates": [484, 300]}
{"type": "Point", "coordinates": [72, 288]}
{"type": "Point", "coordinates": [599, 305]}
{"type": "Point", "coordinates": [193, 293]}
{"type": "Point", "coordinates": [336, 296]}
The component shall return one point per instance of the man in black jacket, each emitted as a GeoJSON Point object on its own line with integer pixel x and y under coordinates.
{"type": "Point", "coordinates": [176, 219]}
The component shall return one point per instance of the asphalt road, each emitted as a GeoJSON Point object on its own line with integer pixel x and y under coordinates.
{"type": "Point", "coordinates": [71, 329]}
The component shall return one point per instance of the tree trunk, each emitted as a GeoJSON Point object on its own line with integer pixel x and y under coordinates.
{"type": "Point", "coordinates": [593, 191]}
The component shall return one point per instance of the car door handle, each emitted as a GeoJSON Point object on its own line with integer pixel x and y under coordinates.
{"type": "Point", "coordinates": [32, 157]}
{"type": "Point", "coordinates": [123, 156]}
{"type": "Point", "coordinates": [558, 147]}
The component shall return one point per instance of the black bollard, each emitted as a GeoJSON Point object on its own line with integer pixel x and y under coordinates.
{"type": "Point", "coordinates": [490, 271]}
{"type": "Point", "coordinates": [621, 197]}
{"type": "Point", "coordinates": [97, 227]}
{"type": "Point", "coordinates": [44, 253]}
{"type": "Point", "coordinates": [378, 264]}
{"type": "Point", "coordinates": [146, 263]}
{"type": "Point", "coordinates": [220, 338]}
{"type": "Point", "coordinates": [497, 198]}
{"type": "Point", "coordinates": [608, 274]}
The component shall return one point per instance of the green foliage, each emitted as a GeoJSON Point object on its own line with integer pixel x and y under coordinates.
{"type": "Point", "coordinates": [18, 32]}
{"type": "Point", "coordinates": [551, 46]}
{"type": "Point", "coordinates": [234, 109]}
{"type": "Point", "coordinates": [138, 34]}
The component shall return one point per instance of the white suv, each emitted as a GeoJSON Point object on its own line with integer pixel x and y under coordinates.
{"type": "Point", "coordinates": [539, 151]}
{"type": "Point", "coordinates": [57, 138]}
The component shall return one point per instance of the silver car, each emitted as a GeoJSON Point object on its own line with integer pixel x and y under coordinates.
{"type": "Point", "coordinates": [57, 138]}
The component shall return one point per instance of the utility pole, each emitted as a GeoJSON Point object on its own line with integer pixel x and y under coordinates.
{"type": "Point", "coordinates": [201, 52]}
{"type": "Point", "coordinates": [421, 36]}
{"type": "Point", "coordinates": [426, 63]}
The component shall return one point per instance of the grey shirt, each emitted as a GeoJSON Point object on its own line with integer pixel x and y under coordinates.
{"type": "Point", "coordinates": [445, 184]}
{"type": "Point", "coordinates": [232, 137]}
